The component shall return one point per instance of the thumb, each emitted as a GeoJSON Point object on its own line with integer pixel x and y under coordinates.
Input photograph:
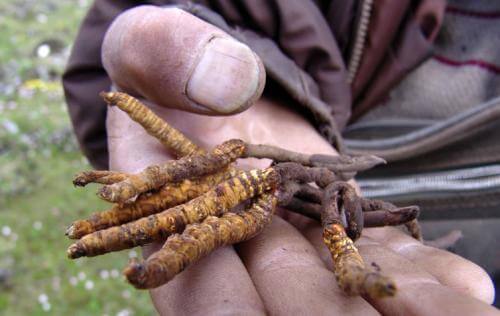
{"type": "Point", "coordinates": [176, 60]}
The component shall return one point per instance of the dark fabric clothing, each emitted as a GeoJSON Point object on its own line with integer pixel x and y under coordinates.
{"type": "Point", "coordinates": [312, 39]}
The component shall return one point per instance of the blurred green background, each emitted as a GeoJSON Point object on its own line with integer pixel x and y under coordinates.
{"type": "Point", "coordinates": [38, 158]}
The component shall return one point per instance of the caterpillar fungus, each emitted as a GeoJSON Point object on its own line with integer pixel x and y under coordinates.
{"type": "Point", "coordinates": [200, 201]}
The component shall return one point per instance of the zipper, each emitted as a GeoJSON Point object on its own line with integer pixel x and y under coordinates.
{"type": "Point", "coordinates": [477, 179]}
{"type": "Point", "coordinates": [360, 39]}
{"type": "Point", "coordinates": [463, 125]}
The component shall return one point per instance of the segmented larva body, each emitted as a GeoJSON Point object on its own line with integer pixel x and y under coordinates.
{"type": "Point", "coordinates": [350, 271]}
{"type": "Point", "coordinates": [220, 199]}
{"type": "Point", "coordinates": [189, 167]}
{"type": "Point", "coordinates": [198, 240]}
{"type": "Point", "coordinates": [168, 196]}
{"type": "Point", "coordinates": [152, 123]}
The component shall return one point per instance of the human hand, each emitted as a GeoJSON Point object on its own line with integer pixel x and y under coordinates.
{"type": "Point", "coordinates": [285, 269]}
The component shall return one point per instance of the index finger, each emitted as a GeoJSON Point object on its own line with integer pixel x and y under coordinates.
{"type": "Point", "coordinates": [467, 277]}
{"type": "Point", "coordinates": [419, 292]}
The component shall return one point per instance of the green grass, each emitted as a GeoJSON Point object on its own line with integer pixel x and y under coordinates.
{"type": "Point", "coordinates": [38, 157]}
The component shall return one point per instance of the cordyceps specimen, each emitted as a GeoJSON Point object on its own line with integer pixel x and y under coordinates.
{"type": "Point", "coordinates": [200, 202]}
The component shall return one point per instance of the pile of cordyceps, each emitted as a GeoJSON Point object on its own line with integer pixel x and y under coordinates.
{"type": "Point", "coordinates": [200, 202]}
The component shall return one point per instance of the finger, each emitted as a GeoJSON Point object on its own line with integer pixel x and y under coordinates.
{"type": "Point", "coordinates": [291, 278]}
{"type": "Point", "coordinates": [177, 60]}
{"type": "Point", "coordinates": [219, 282]}
{"type": "Point", "coordinates": [418, 292]}
{"type": "Point", "coordinates": [467, 277]}
{"type": "Point", "coordinates": [213, 286]}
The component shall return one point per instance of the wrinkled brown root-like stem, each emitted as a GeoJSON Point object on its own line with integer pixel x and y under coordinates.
{"type": "Point", "coordinates": [198, 240]}
{"type": "Point", "coordinates": [411, 224]}
{"type": "Point", "coordinates": [380, 218]}
{"type": "Point", "coordinates": [338, 164]}
{"type": "Point", "coordinates": [352, 205]}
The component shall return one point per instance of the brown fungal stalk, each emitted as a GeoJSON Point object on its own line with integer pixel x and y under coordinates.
{"type": "Point", "coordinates": [200, 202]}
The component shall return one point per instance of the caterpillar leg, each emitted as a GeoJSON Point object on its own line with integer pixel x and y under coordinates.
{"type": "Point", "coordinates": [190, 167]}
{"type": "Point", "coordinates": [215, 202]}
{"type": "Point", "coordinates": [170, 137]}
{"type": "Point", "coordinates": [168, 196]}
{"type": "Point", "coordinates": [198, 240]}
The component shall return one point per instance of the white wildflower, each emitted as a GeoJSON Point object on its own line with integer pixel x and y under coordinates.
{"type": "Point", "coordinates": [46, 306]}
{"type": "Point", "coordinates": [124, 312]}
{"type": "Point", "coordinates": [43, 298]}
{"type": "Point", "coordinates": [104, 274]}
{"type": "Point", "coordinates": [43, 51]}
{"type": "Point", "coordinates": [6, 231]}
{"type": "Point", "coordinates": [37, 225]}
{"type": "Point", "coordinates": [132, 254]}
{"type": "Point", "coordinates": [89, 285]}
{"type": "Point", "coordinates": [81, 276]}
{"type": "Point", "coordinates": [114, 273]}
{"type": "Point", "coordinates": [83, 3]}
{"type": "Point", "coordinates": [41, 18]}
{"type": "Point", "coordinates": [10, 126]}
{"type": "Point", "coordinates": [126, 294]}
{"type": "Point", "coordinates": [73, 281]}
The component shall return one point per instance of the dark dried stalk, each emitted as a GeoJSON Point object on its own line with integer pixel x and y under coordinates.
{"type": "Point", "coordinates": [380, 218]}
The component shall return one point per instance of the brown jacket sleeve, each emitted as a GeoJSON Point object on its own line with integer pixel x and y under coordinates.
{"type": "Point", "coordinates": [297, 41]}
{"type": "Point", "coordinates": [297, 27]}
